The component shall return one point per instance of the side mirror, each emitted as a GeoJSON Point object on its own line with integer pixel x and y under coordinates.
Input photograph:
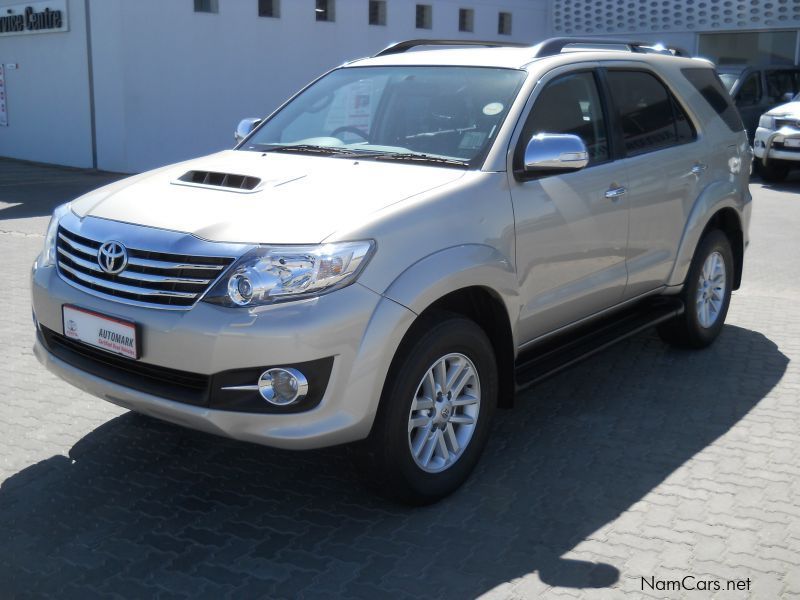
{"type": "Point", "coordinates": [787, 97]}
{"type": "Point", "coordinates": [555, 152]}
{"type": "Point", "coordinates": [245, 128]}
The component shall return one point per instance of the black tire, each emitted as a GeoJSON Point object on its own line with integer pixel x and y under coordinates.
{"type": "Point", "coordinates": [773, 172]}
{"type": "Point", "coordinates": [686, 331]}
{"type": "Point", "coordinates": [390, 467]}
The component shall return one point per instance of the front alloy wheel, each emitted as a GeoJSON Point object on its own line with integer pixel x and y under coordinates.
{"type": "Point", "coordinates": [435, 412]}
{"type": "Point", "coordinates": [444, 413]}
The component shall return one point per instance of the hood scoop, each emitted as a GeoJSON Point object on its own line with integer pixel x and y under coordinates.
{"type": "Point", "coordinates": [212, 179]}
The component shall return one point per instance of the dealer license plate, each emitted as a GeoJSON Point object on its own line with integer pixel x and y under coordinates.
{"type": "Point", "coordinates": [107, 333]}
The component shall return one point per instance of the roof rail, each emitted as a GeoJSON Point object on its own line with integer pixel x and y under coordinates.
{"type": "Point", "coordinates": [400, 47]}
{"type": "Point", "coordinates": [554, 46]}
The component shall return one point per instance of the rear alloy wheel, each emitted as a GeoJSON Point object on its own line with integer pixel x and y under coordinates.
{"type": "Point", "coordinates": [435, 412]}
{"type": "Point", "coordinates": [706, 295]}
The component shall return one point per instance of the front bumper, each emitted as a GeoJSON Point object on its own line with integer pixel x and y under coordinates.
{"type": "Point", "coordinates": [770, 144]}
{"type": "Point", "coordinates": [357, 327]}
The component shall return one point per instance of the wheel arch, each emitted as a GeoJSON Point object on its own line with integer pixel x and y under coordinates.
{"type": "Point", "coordinates": [716, 208]}
{"type": "Point", "coordinates": [484, 307]}
{"type": "Point", "coordinates": [480, 284]}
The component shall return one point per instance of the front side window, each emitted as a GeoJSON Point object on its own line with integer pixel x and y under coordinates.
{"type": "Point", "coordinates": [571, 104]}
{"type": "Point", "coordinates": [750, 92]}
{"type": "Point", "coordinates": [650, 117]}
{"type": "Point", "coordinates": [451, 113]}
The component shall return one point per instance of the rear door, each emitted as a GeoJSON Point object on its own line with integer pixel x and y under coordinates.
{"type": "Point", "coordinates": [666, 169]}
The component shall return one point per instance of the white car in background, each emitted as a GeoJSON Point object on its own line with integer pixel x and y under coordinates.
{"type": "Point", "coordinates": [777, 141]}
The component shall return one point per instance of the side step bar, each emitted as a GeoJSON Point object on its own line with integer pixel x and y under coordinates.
{"type": "Point", "coordinates": [554, 355]}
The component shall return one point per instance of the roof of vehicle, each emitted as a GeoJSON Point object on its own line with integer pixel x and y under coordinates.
{"type": "Point", "coordinates": [737, 69]}
{"type": "Point", "coordinates": [514, 56]}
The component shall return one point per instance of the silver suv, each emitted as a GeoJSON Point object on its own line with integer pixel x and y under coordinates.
{"type": "Point", "coordinates": [402, 246]}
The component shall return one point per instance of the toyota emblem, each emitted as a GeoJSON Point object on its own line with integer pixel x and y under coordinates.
{"type": "Point", "coordinates": [112, 257]}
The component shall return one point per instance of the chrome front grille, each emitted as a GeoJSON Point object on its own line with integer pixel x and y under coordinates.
{"type": "Point", "coordinates": [150, 278]}
{"type": "Point", "coordinates": [787, 122]}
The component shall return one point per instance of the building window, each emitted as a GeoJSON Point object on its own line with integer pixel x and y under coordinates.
{"type": "Point", "coordinates": [424, 16]}
{"type": "Point", "coordinates": [377, 12]}
{"type": "Point", "coordinates": [466, 19]}
{"type": "Point", "coordinates": [504, 23]}
{"type": "Point", "coordinates": [206, 6]}
{"type": "Point", "coordinates": [325, 10]}
{"type": "Point", "coordinates": [269, 8]}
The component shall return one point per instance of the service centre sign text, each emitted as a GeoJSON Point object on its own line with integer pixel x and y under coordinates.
{"type": "Point", "coordinates": [33, 17]}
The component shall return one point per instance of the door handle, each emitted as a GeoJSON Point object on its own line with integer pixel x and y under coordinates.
{"type": "Point", "coordinates": [616, 192]}
{"type": "Point", "coordinates": [699, 168]}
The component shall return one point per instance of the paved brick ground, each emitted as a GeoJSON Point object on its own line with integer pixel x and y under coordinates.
{"type": "Point", "coordinates": [645, 462]}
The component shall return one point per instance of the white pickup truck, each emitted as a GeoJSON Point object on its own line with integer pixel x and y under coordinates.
{"type": "Point", "coordinates": [777, 141]}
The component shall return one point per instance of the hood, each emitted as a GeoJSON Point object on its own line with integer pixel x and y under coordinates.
{"type": "Point", "coordinates": [300, 198]}
{"type": "Point", "coordinates": [791, 109]}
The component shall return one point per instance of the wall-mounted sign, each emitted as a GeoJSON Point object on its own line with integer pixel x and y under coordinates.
{"type": "Point", "coordinates": [34, 17]}
{"type": "Point", "coordinates": [3, 105]}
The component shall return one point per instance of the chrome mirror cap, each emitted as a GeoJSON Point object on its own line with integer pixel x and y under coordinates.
{"type": "Point", "coordinates": [555, 152]}
{"type": "Point", "coordinates": [245, 128]}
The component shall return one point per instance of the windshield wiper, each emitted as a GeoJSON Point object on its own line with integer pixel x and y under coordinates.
{"type": "Point", "coordinates": [413, 157]}
{"type": "Point", "coordinates": [311, 149]}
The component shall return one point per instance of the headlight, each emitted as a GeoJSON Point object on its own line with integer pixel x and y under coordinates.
{"type": "Point", "coordinates": [766, 122]}
{"type": "Point", "coordinates": [49, 251]}
{"type": "Point", "coordinates": [274, 274]}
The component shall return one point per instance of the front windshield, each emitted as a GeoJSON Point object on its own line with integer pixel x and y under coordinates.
{"type": "Point", "coordinates": [417, 113]}
{"type": "Point", "coordinates": [728, 79]}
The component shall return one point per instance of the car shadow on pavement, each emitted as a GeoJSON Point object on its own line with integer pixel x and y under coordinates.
{"type": "Point", "coordinates": [142, 508]}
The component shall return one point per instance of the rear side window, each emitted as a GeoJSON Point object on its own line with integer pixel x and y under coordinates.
{"type": "Point", "coordinates": [650, 117]}
{"type": "Point", "coordinates": [710, 87]}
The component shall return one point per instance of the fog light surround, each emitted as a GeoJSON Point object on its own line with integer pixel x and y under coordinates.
{"type": "Point", "coordinates": [282, 386]}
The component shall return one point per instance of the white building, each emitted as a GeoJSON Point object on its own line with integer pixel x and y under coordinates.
{"type": "Point", "coordinates": [129, 85]}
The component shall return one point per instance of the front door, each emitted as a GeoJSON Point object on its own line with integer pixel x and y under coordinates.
{"type": "Point", "coordinates": [571, 228]}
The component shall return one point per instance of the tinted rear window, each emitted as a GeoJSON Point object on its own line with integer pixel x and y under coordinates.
{"type": "Point", "coordinates": [650, 117]}
{"type": "Point", "coordinates": [710, 87]}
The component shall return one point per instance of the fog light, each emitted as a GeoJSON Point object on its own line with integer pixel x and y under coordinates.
{"type": "Point", "coordinates": [282, 386]}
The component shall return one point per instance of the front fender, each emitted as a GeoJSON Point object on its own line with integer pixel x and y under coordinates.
{"type": "Point", "coordinates": [455, 268]}
{"type": "Point", "coordinates": [715, 197]}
